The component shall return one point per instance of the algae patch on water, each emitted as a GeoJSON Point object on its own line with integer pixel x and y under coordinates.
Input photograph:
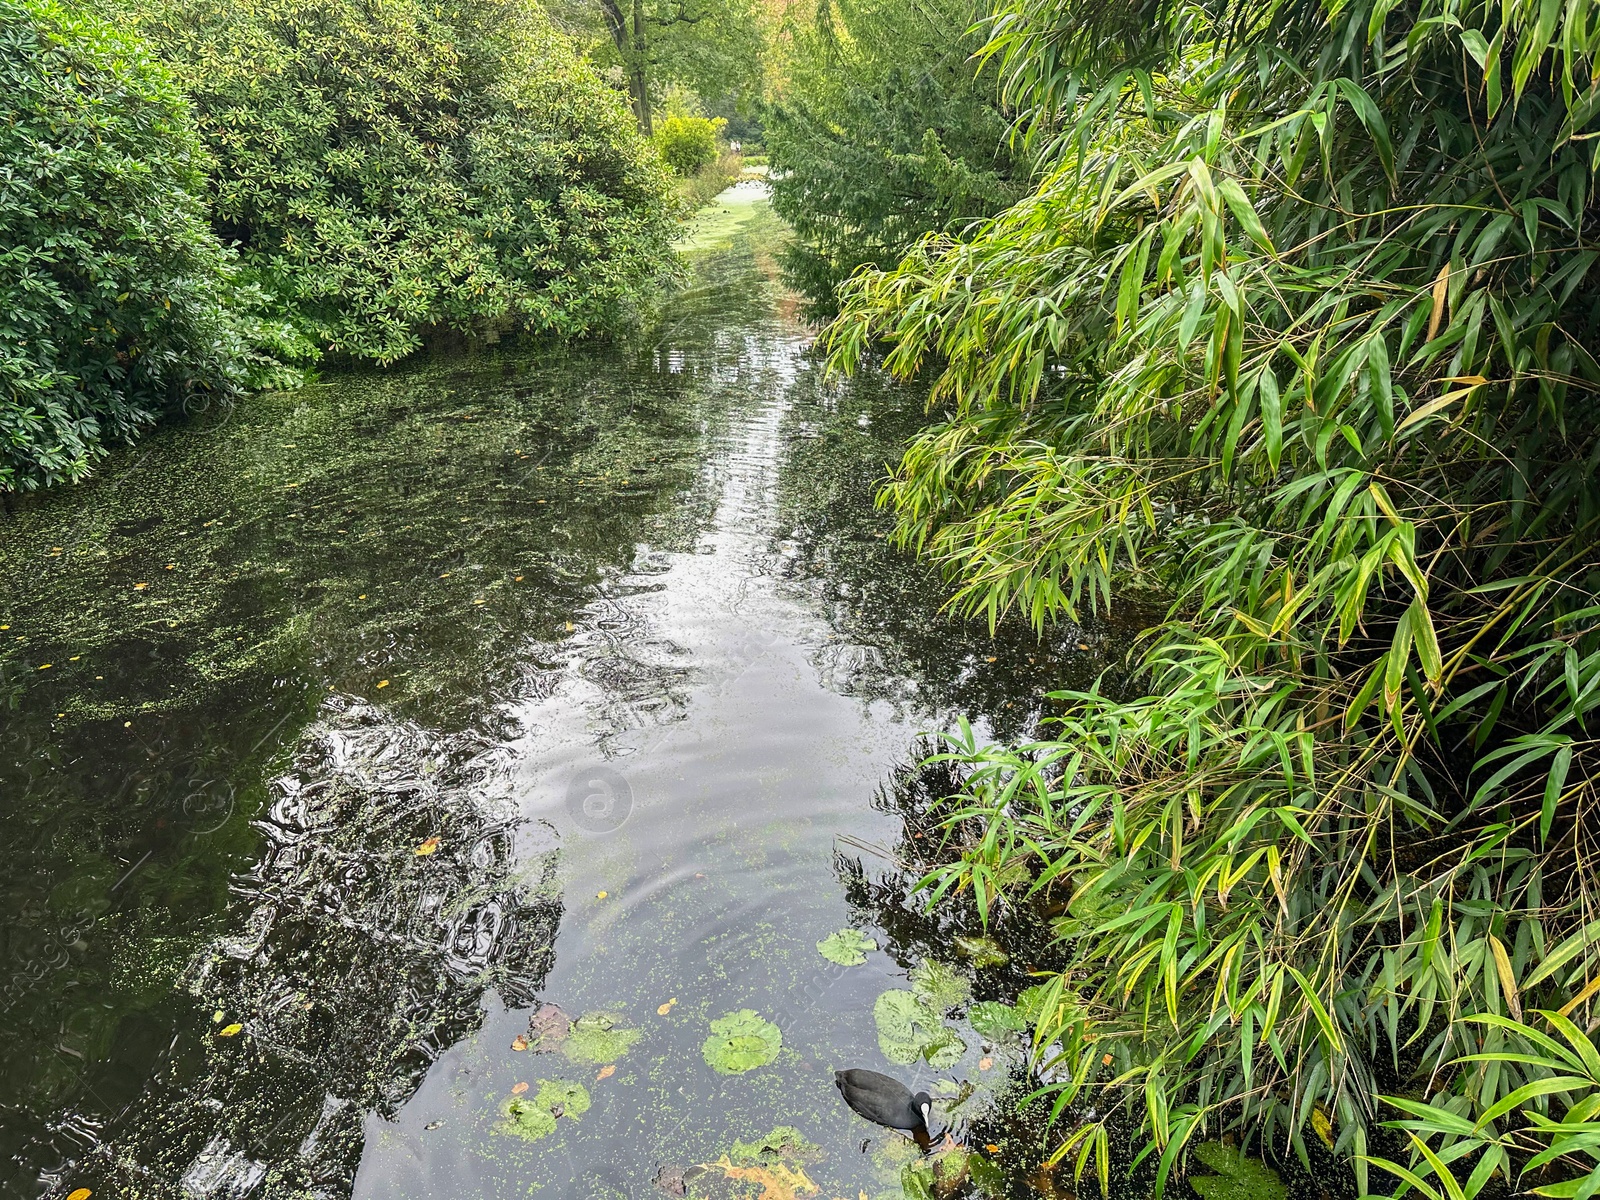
{"type": "Point", "coordinates": [599, 1038]}
{"type": "Point", "coordinates": [534, 1117]}
{"type": "Point", "coordinates": [740, 1042]}
{"type": "Point", "coordinates": [848, 947]}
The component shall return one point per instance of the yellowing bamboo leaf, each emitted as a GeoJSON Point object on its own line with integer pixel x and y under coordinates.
{"type": "Point", "coordinates": [230, 1030]}
{"type": "Point", "coordinates": [1508, 981]}
{"type": "Point", "coordinates": [1441, 288]}
{"type": "Point", "coordinates": [79, 1194]}
{"type": "Point", "coordinates": [431, 846]}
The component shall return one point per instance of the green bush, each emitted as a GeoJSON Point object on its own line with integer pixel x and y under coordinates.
{"type": "Point", "coordinates": [112, 289]}
{"type": "Point", "coordinates": [688, 143]}
{"type": "Point", "coordinates": [885, 133]}
{"type": "Point", "coordinates": [389, 167]}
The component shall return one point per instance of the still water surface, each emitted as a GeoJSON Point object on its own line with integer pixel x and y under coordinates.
{"type": "Point", "coordinates": [371, 718]}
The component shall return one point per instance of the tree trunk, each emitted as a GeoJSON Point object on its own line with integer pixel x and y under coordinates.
{"type": "Point", "coordinates": [631, 49]}
{"type": "Point", "coordinates": [641, 82]}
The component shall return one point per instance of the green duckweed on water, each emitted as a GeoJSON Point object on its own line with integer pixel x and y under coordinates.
{"type": "Point", "coordinates": [1238, 1176]}
{"type": "Point", "coordinates": [981, 951]}
{"type": "Point", "coordinates": [534, 1117]}
{"type": "Point", "coordinates": [740, 1042]}
{"type": "Point", "coordinates": [599, 1038]}
{"type": "Point", "coordinates": [848, 947]}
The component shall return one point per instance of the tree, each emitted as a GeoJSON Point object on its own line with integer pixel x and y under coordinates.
{"type": "Point", "coordinates": [114, 294]}
{"type": "Point", "coordinates": [1296, 338]}
{"type": "Point", "coordinates": [716, 49]}
{"type": "Point", "coordinates": [387, 168]}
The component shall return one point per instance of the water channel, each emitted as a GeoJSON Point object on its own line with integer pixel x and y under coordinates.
{"type": "Point", "coordinates": [355, 740]}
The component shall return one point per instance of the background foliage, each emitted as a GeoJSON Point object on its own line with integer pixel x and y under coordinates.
{"type": "Point", "coordinates": [389, 167]}
{"type": "Point", "coordinates": [1294, 337]}
{"type": "Point", "coordinates": [113, 292]}
{"type": "Point", "coordinates": [688, 143]}
{"type": "Point", "coordinates": [885, 133]}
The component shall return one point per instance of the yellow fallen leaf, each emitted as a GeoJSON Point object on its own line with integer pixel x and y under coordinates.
{"type": "Point", "coordinates": [990, 658]}
{"type": "Point", "coordinates": [569, 626]}
{"type": "Point", "coordinates": [230, 1030]}
{"type": "Point", "coordinates": [45, 666]}
{"type": "Point", "coordinates": [519, 1043]}
{"type": "Point", "coordinates": [478, 601]}
{"type": "Point", "coordinates": [139, 587]}
{"type": "Point", "coordinates": [363, 596]}
{"type": "Point", "coordinates": [428, 847]}
{"type": "Point", "coordinates": [517, 579]}
{"type": "Point", "coordinates": [667, 1007]}
{"type": "Point", "coordinates": [1105, 1060]}
{"type": "Point", "coordinates": [75, 658]}
{"type": "Point", "coordinates": [216, 1017]}
{"type": "Point", "coordinates": [80, 1194]}
{"type": "Point", "coordinates": [383, 683]}
{"type": "Point", "coordinates": [985, 1063]}
{"type": "Point", "coordinates": [519, 1089]}
{"type": "Point", "coordinates": [991, 1148]}
{"type": "Point", "coordinates": [606, 1072]}
{"type": "Point", "coordinates": [601, 895]}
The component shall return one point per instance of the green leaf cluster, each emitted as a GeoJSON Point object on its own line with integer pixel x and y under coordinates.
{"type": "Point", "coordinates": [1294, 343]}
{"type": "Point", "coordinates": [115, 297]}
{"type": "Point", "coordinates": [884, 133]}
{"type": "Point", "coordinates": [688, 143]}
{"type": "Point", "coordinates": [388, 169]}
{"type": "Point", "coordinates": [847, 947]}
{"type": "Point", "coordinates": [740, 1042]}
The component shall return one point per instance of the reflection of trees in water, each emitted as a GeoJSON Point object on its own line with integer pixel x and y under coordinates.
{"type": "Point", "coordinates": [351, 960]}
{"type": "Point", "coordinates": [893, 639]}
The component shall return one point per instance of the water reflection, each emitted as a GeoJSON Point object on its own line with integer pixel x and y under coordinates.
{"type": "Point", "coordinates": [378, 714]}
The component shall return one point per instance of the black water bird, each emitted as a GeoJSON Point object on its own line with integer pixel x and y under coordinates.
{"type": "Point", "coordinates": [886, 1101]}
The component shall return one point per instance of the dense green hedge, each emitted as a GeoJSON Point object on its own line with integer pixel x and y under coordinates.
{"type": "Point", "coordinates": [394, 165]}
{"type": "Point", "coordinates": [688, 143]}
{"type": "Point", "coordinates": [113, 291]}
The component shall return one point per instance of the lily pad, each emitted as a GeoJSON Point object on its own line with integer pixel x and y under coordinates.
{"type": "Point", "coordinates": [599, 1038]}
{"type": "Point", "coordinates": [981, 951]}
{"type": "Point", "coordinates": [848, 947]}
{"type": "Point", "coordinates": [534, 1117]}
{"type": "Point", "coordinates": [939, 986]}
{"type": "Point", "coordinates": [1238, 1176]}
{"type": "Point", "coordinates": [995, 1020]}
{"type": "Point", "coordinates": [740, 1042]}
{"type": "Point", "coordinates": [910, 1029]}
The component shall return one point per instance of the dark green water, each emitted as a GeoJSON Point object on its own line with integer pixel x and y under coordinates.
{"type": "Point", "coordinates": [621, 621]}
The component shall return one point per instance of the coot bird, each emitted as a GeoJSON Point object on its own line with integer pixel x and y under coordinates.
{"type": "Point", "coordinates": [886, 1101]}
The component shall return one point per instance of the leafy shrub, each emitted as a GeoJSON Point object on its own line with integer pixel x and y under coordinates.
{"type": "Point", "coordinates": [113, 289]}
{"type": "Point", "coordinates": [688, 143]}
{"type": "Point", "coordinates": [1296, 337]}
{"type": "Point", "coordinates": [885, 134]}
{"type": "Point", "coordinates": [389, 167]}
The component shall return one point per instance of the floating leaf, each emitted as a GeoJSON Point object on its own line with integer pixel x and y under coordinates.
{"type": "Point", "coordinates": [519, 1043]}
{"type": "Point", "coordinates": [740, 1042]}
{"type": "Point", "coordinates": [532, 1118]}
{"type": "Point", "coordinates": [1238, 1176]}
{"type": "Point", "coordinates": [519, 1088]}
{"type": "Point", "coordinates": [80, 1194]}
{"type": "Point", "coordinates": [940, 986]}
{"type": "Point", "coordinates": [848, 947]}
{"type": "Point", "coordinates": [230, 1030]}
{"type": "Point", "coordinates": [428, 847]}
{"type": "Point", "coordinates": [606, 1072]}
{"type": "Point", "coordinates": [599, 1038]}
{"type": "Point", "coordinates": [981, 951]}
{"type": "Point", "coordinates": [995, 1020]}
{"type": "Point", "coordinates": [547, 1029]}
{"type": "Point", "coordinates": [664, 1009]}
{"type": "Point", "coordinates": [985, 1063]}
{"type": "Point", "coordinates": [910, 1029]}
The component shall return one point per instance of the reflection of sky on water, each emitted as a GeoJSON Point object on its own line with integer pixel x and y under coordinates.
{"type": "Point", "coordinates": [443, 604]}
